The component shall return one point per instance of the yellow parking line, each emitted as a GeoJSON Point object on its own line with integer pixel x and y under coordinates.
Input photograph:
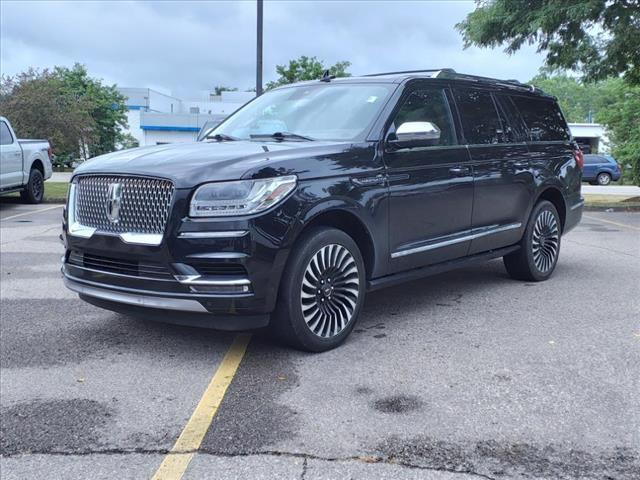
{"type": "Point", "coordinates": [31, 212]}
{"type": "Point", "coordinates": [177, 460]}
{"type": "Point", "coordinates": [612, 223]}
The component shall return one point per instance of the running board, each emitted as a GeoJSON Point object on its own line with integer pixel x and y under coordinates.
{"type": "Point", "coordinates": [416, 273]}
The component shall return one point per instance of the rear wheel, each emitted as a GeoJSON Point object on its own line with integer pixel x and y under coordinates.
{"type": "Point", "coordinates": [34, 190]}
{"type": "Point", "coordinates": [540, 246]}
{"type": "Point", "coordinates": [603, 178]}
{"type": "Point", "coordinates": [322, 291]}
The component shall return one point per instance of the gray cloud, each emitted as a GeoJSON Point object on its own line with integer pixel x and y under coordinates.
{"type": "Point", "coordinates": [185, 47]}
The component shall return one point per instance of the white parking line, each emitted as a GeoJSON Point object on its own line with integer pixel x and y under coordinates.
{"type": "Point", "coordinates": [31, 212]}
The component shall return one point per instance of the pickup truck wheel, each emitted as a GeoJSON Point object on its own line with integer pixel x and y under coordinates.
{"type": "Point", "coordinates": [34, 190]}
{"type": "Point", "coordinates": [540, 246]}
{"type": "Point", "coordinates": [322, 291]}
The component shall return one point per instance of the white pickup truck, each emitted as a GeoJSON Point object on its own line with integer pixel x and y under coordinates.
{"type": "Point", "coordinates": [24, 164]}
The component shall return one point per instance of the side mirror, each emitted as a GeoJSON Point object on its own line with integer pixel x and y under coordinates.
{"type": "Point", "coordinates": [415, 134]}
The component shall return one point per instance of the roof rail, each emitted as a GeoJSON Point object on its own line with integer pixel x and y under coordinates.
{"type": "Point", "coordinates": [450, 73]}
{"type": "Point", "coordinates": [496, 81]}
{"type": "Point", "coordinates": [433, 71]}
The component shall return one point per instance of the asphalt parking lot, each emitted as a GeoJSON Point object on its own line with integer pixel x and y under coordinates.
{"type": "Point", "coordinates": [465, 375]}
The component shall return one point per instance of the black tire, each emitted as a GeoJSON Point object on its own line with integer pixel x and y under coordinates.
{"type": "Point", "coordinates": [34, 190]}
{"type": "Point", "coordinates": [539, 250]}
{"type": "Point", "coordinates": [603, 178]}
{"type": "Point", "coordinates": [334, 253]}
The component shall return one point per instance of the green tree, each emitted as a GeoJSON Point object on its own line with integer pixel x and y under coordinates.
{"type": "Point", "coordinates": [622, 118]}
{"type": "Point", "coordinates": [38, 105]}
{"type": "Point", "coordinates": [307, 68]}
{"type": "Point", "coordinates": [595, 37]}
{"type": "Point", "coordinates": [105, 105]}
{"type": "Point", "coordinates": [78, 114]}
{"type": "Point", "coordinates": [580, 102]}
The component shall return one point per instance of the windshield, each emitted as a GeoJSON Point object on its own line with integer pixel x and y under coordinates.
{"type": "Point", "coordinates": [319, 112]}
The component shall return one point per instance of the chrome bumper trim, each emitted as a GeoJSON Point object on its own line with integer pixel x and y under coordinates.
{"type": "Point", "coordinates": [219, 234]}
{"type": "Point", "coordinates": [151, 239]}
{"type": "Point", "coordinates": [200, 280]}
{"type": "Point", "coordinates": [141, 238]}
{"type": "Point", "coordinates": [577, 205]}
{"type": "Point", "coordinates": [166, 303]}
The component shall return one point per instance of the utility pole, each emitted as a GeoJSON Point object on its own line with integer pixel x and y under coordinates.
{"type": "Point", "coordinates": [259, 50]}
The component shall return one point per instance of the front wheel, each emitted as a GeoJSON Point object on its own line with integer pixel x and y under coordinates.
{"type": "Point", "coordinates": [34, 190]}
{"type": "Point", "coordinates": [322, 291]}
{"type": "Point", "coordinates": [540, 246]}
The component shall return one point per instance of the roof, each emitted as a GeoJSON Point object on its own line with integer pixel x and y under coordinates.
{"type": "Point", "coordinates": [437, 73]}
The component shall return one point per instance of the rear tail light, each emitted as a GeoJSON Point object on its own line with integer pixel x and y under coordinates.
{"type": "Point", "coordinates": [50, 153]}
{"type": "Point", "coordinates": [579, 156]}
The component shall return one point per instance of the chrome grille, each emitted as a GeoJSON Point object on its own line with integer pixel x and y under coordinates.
{"type": "Point", "coordinates": [144, 208]}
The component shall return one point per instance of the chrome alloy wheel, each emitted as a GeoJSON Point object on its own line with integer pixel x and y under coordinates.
{"type": "Point", "coordinates": [330, 289]}
{"type": "Point", "coordinates": [546, 239]}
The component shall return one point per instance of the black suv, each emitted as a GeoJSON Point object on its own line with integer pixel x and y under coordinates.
{"type": "Point", "coordinates": [315, 193]}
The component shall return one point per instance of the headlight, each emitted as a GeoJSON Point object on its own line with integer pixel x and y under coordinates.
{"type": "Point", "coordinates": [243, 197]}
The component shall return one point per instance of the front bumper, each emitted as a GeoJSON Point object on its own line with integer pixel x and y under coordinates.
{"type": "Point", "coordinates": [225, 272]}
{"type": "Point", "coordinates": [147, 305]}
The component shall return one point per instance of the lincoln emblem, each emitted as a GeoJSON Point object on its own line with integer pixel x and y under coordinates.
{"type": "Point", "coordinates": [114, 201]}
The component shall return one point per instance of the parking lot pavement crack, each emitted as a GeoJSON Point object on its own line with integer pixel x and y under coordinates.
{"type": "Point", "coordinates": [357, 458]}
{"type": "Point", "coordinates": [268, 453]}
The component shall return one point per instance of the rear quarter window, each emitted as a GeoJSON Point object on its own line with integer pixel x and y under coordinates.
{"type": "Point", "coordinates": [543, 118]}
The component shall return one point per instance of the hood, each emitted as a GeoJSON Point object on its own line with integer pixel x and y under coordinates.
{"type": "Point", "coordinates": [190, 164]}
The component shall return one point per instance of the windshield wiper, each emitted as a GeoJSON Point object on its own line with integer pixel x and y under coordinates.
{"type": "Point", "coordinates": [221, 137]}
{"type": "Point", "coordinates": [281, 136]}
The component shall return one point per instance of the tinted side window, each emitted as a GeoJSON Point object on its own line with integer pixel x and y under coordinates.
{"type": "Point", "coordinates": [480, 121]}
{"type": "Point", "coordinates": [543, 118]}
{"type": "Point", "coordinates": [5, 134]}
{"type": "Point", "coordinates": [514, 128]}
{"type": "Point", "coordinates": [428, 105]}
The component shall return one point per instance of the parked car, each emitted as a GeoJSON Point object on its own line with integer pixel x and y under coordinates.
{"type": "Point", "coordinates": [25, 164]}
{"type": "Point", "coordinates": [314, 194]}
{"type": "Point", "coordinates": [601, 169]}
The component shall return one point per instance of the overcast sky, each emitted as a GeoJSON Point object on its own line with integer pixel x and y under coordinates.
{"type": "Point", "coordinates": [186, 47]}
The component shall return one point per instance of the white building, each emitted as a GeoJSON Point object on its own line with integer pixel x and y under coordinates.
{"type": "Point", "coordinates": [156, 118]}
{"type": "Point", "coordinates": [592, 137]}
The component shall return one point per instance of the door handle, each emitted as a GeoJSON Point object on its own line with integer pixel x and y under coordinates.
{"type": "Point", "coordinates": [460, 171]}
{"type": "Point", "coordinates": [368, 181]}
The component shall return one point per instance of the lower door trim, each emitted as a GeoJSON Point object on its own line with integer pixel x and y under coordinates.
{"type": "Point", "coordinates": [465, 236]}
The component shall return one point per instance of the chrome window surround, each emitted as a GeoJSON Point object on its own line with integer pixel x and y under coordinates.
{"type": "Point", "coordinates": [484, 232]}
{"type": "Point", "coordinates": [77, 229]}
